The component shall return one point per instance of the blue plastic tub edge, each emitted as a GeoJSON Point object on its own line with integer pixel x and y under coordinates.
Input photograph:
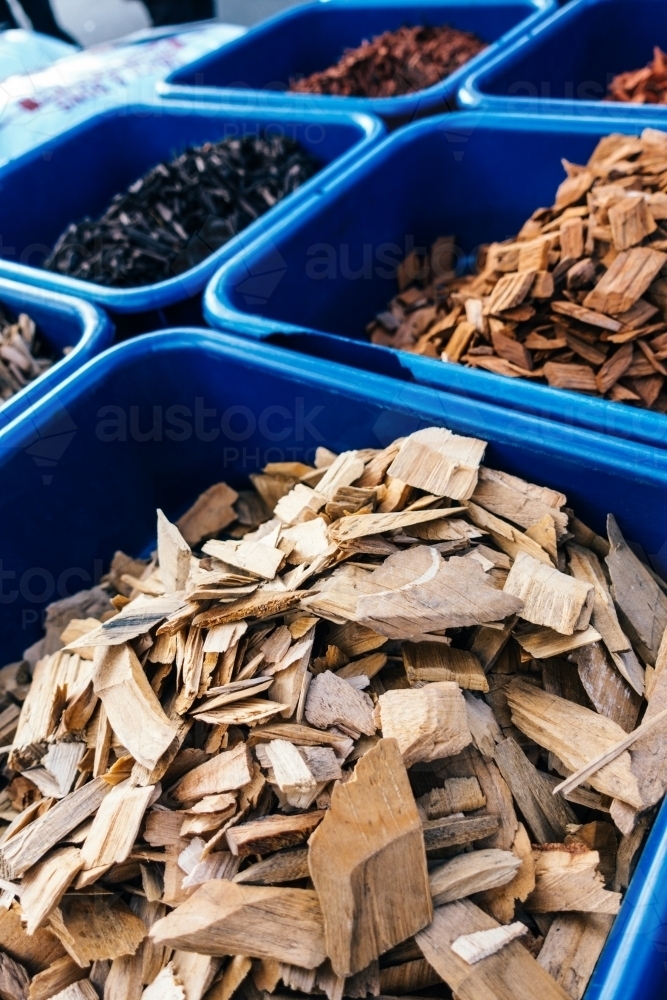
{"type": "Point", "coordinates": [165, 293]}
{"type": "Point", "coordinates": [471, 94]}
{"type": "Point", "coordinates": [95, 334]}
{"type": "Point", "coordinates": [561, 405]}
{"type": "Point", "coordinates": [639, 929]}
{"type": "Point", "coordinates": [628, 968]}
{"type": "Point", "coordinates": [593, 451]}
{"type": "Point", "coordinates": [391, 109]}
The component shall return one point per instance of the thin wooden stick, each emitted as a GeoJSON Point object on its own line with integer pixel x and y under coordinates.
{"type": "Point", "coordinates": [611, 754]}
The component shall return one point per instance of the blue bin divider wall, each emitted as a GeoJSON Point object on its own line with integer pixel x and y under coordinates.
{"type": "Point", "coordinates": [565, 64]}
{"type": "Point", "coordinates": [63, 322]}
{"type": "Point", "coordinates": [256, 69]}
{"type": "Point", "coordinates": [315, 281]}
{"type": "Point", "coordinates": [77, 174]}
{"type": "Point", "coordinates": [156, 420]}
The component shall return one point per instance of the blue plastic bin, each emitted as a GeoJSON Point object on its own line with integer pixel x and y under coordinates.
{"type": "Point", "coordinates": [325, 273]}
{"type": "Point", "coordinates": [63, 322]}
{"type": "Point", "coordinates": [77, 173]}
{"type": "Point", "coordinates": [156, 420]}
{"type": "Point", "coordinates": [258, 67]}
{"type": "Point", "coordinates": [565, 64]}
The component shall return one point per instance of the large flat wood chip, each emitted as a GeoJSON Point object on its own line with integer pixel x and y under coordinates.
{"type": "Point", "coordinates": [368, 864]}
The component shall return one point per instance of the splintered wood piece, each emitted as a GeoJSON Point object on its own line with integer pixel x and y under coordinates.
{"type": "Point", "coordinates": [343, 471]}
{"type": "Point", "coordinates": [516, 500]}
{"type": "Point", "coordinates": [626, 280]}
{"type": "Point", "coordinates": [501, 902]}
{"type": "Point", "coordinates": [55, 978]}
{"type": "Point", "coordinates": [508, 538]}
{"type": "Point", "coordinates": [588, 316]}
{"type": "Point", "coordinates": [547, 815]}
{"type": "Point", "coordinates": [81, 990]}
{"type": "Point", "coordinates": [258, 558]}
{"type": "Point", "coordinates": [406, 978]}
{"type": "Point", "coordinates": [473, 872]}
{"type": "Point", "coordinates": [52, 674]}
{"type": "Point", "coordinates": [116, 826]}
{"type": "Point", "coordinates": [483, 724]}
{"type": "Point", "coordinates": [572, 947]}
{"type": "Point", "coordinates": [137, 618]}
{"type": "Point", "coordinates": [637, 595]}
{"type": "Point", "coordinates": [544, 533]}
{"type": "Point", "coordinates": [630, 220]}
{"type": "Point", "coordinates": [566, 878]}
{"type": "Point", "coordinates": [472, 948]}
{"type": "Point", "coordinates": [225, 772]}
{"type": "Point", "coordinates": [96, 927]}
{"type": "Point", "coordinates": [368, 864]}
{"type": "Point", "coordinates": [291, 773]}
{"type": "Point", "coordinates": [426, 662]}
{"type": "Point", "coordinates": [572, 239]}
{"type": "Point", "coordinates": [456, 795]}
{"type": "Point", "coordinates": [211, 512]}
{"type": "Point", "coordinates": [427, 723]}
{"type": "Point", "coordinates": [511, 974]}
{"type": "Point", "coordinates": [242, 713]}
{"type": "Point", "coordinates": [304, 736]}
{"type": "Point", "coordinates": [544, 643]}
{"type": "Point", "coordinates": [220, 638]}
{"type": "Point", "coordinates": [362, 525]}
{"type": "Point", "coordinates": [585, 566]}
{"type": "Point", "coordinates": [232, 977]}
{"type": "Point", "coordinates": [510, 291]}
{"type": "Point", "coordinates": [173, 555]}
{"type": "Point", "coordinates": [262, 604]}
{"type": "Point", "coordinates": [132, 708]}
{"type": "Point", "coordinates": [271, 833]}
{"type": "Point", "coordinates": [431, 596]}
{"type": "Point", "coordinates": [14, 980]}
{"type": "Point", "coordinates": [439, 462]}
{"type": "Point", "coordinates": [29, 845]}
{"type": "Point", "coordinates": [284, 866]}
{"type": "Point", "coordinates": [165, 986]}
{"type": "Point", "coordinates": [36, 952]}
{"type": "Point", "coordinates": [576, 735]}
{"type": "Point", "coordinates": [550, 598]}
{"type": "Point", "coordinates": [452, 831]}
{"type": "Point", "coordinates": [224, 918]}
{"type": "Point", "coordinates": [332, 701]}
{"type": "Point", "coordinates": [59, 769]}
{"type": "Point", "coordinates": [44, 885]}
{"type": "Point", "coordinates": [218, 864]}
{"type": "Point", "coordinates": [610, 693]}
{"type": "Point", "coordinates": [581, 378]}
{"type": "Point", "coordinates": [195, 971]}
{"type": "Point", "coordinates": [367, 666]}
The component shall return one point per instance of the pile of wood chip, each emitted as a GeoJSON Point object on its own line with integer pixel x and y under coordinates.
{"type": "Point", "coordinates": [578, 299]}
{"type": "Point", "coordinates": [180, 212]}
{"type": "Point", "coordinates": [395, 63]}
{"type": "Point", "coordinates": [401, 730]}
{"type": "Point", "coordinates": [642, 86]}
{"type": "Point", "coordinates": [22, 355]}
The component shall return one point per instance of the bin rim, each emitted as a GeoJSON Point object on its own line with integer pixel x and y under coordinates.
{"type": "Point", "coordinates": [594, 450]}
{"type": "Point", "coordinates": [471, 95]}
{"type": "Point", "coordinates": [169, 291]}
{"type": "Point", "coordinates": [412, 105]}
